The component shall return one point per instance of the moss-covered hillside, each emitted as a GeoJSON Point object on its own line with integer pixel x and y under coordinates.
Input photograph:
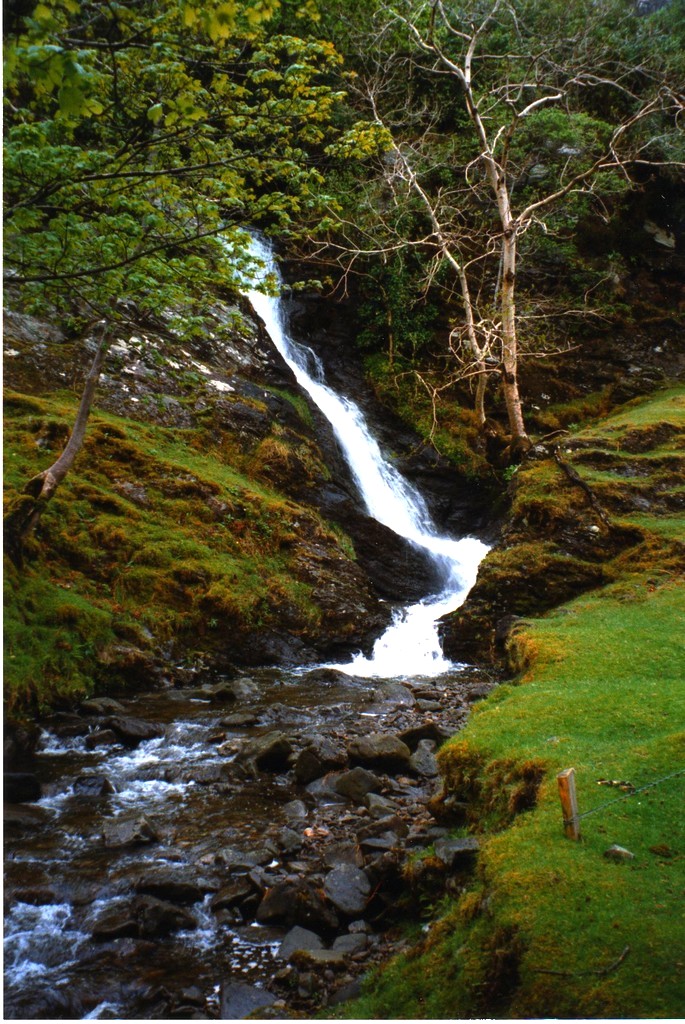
{"type": "Point", "coordinates": [550, 927]}
{"type": "Point", "coordinates": [176, 540]}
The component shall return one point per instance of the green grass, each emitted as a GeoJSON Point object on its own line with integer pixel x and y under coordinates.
{"type": "Point", "coordinates": [153, 537]}
{"type": "Point", "coordinates": [551, 927]}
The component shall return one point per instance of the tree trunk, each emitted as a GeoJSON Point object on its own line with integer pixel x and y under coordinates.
{"type": "Point", "coordinates": [23, 517]}
{"type": "Point", "coordinates": [519, 438]}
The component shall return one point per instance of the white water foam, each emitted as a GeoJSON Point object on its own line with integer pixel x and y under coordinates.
{"type": "Point", "coordinates": [411, 645]}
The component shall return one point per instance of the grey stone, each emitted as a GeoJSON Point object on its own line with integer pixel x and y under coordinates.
{"type": "Point", "coordinates": [102, 706]}
{"type": "Point", "coordinates": [134, 730]}
{"type": "Point", "coordinates": [297, 902]}
{"type": "Point", "coordinates": [101, 738]}
{"type": "Point", "coordinates": [177, 885]}
{"type": "Point", "coordinates": [379, 806]}
{"type": "Point", "coordinates": [453, 851]}
{"type": "Point", "coordinates": [295, 810]}
{"type": "Point", "coordinates": [296, 939]}
{"type": "Point", "coordinates": [347, 887]}
{"type": "Point", "coordinates": [428, 730]}
{"type": "Point", "coordinates": [238, 1000]}
{"type": "Point", "coordinates": [380, 750]}
{"type": "Point", "coordinates": [423, 760]}
{"type": "Point", "coordinates": [270, 752]}
{"type": "Point", "coordinates": [317, 958]}
{"type": "Point", "coordinates": [356, 783]}
{"type": "Point", "coordinates": [93, 786]}
{"type": "Point", "coordinates": [119, 833]}
{"type": "Point", "coordinates": [157, 918]}
{"type": "Point", "coordinates": [350, 944]}
{"type": "Point", "coordinates": [343, 853]}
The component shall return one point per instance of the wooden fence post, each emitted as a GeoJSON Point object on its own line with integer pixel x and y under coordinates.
{"type": "Point", "coordinates": [569, 803]}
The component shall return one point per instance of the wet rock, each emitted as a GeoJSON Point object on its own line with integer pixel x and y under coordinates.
{"type": "Point", "coordinates": [101, 738]}
{"type": "Point", "coordinates": [351, 944]}
{"type": "Point", "coordinates": [21, 787]}
{"type": "Point", "coordinates": [66, 725]}
{"type": "Point", "coordinates": [428, 730]}
{"type": "Point", "coordinates": [456, 852]}
{"type": "Point", "coordinates": [116, 922]}
{"type": "Point", "coordinates": [318, 757]}
{"type": "Point", "coordinates": [347, 887]}
{"type": "Point", "coordinates": [295, 810]}
{"type": "Point", "coordinates": [326, 677]}
{"type": "Point", "coordinates": [379, 806]}
{"type": "Point", "coordinates": [343, 853]}
{"type": "Point", "coordinates": [270, 752]}
{"type": "Point", "coordinates": [348, 991]}
{"type": "Point", "coordinates": [297, 939]}
{"type": "Point", "coordinates": [173, 885]}
{"type": "Point", "coordinates": [233, 894]}
{"type": "Point", "coordinates": [93, 786]}
{"type": "Point", "coordinates": [356, 783]}
{"type": "Point", "coordinates": [239, 720]}
{"type": "Point", "coordinates": [478, 692]}
{"type": "Point", "coordinates": [205, 774]}
{"type": "Point", "coordinates": [22, 818]}
{"type": "Point", "coordinates": [317, 959]}
{"type": "Point", "coordinates": [380, 750]}
{"type": "Point", "coordinates": [243, 860]}
{"type": "Point", "coordinates": [133, 731]}
{"type": "Point", "coordinates": [157, 918]}
{"type": "Point", "coordinates": [19, 743]}
{"type": "Point", "coordinates": [397, 694]}
{"type": "Point", "coordinates": [297, 902]}
{"type": "Point", "coordinates": [423, 760]}
{"type": "Point", "coordinates": [102, 706]}
{"type": "Point", "coordinates": [118, 833]}
{"type": "Point", "coordinates": [289, 841]}
{"type": "Point", "coordinates": [428, 705]}
{"type": "Point", "coordinates": [383, 842]}
{"type": "Point", "coordinates": [239, 1001]}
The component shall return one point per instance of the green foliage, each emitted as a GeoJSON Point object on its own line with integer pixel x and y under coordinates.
{"type": "Point", "coordinates": [137, 134]}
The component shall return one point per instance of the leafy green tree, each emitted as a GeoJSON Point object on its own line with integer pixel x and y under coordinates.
{"type": "Point", "coordinates": [498, 124]}
{"type": "Point", "coordinates": [141, 138]}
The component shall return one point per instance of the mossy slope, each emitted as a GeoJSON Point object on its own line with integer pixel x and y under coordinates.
{"type": "Point", "coordinates": [156, 548]}
{"type": "Point", "coordinates": [551, 927]}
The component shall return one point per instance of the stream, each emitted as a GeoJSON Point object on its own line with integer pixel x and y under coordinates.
{"type": "Point", "coordinates": [143, 883]}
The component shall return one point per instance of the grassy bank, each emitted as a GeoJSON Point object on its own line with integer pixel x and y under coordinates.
{"type": "Point", "coordinates": [155, 545]}
{"type": "Point", "coordinates": [551, 927]}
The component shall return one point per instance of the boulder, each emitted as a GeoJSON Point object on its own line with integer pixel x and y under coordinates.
{"type": "Point", "coordinates": [102, 706]}
{"type": "Point", "coordinates": [318, 959]}
{"type": "Point", "coordinates": [347, 887]}
{"type": "Point", "coordinates": [428, 730]}
{"type": "Point", "coordinates": [157, 918]}
{"type": "Point", "coordinates": [379, 806]}
{"type": "Point", "coordinates": [101, 738]}
{"type": "Point", "coordinates": [297, 939]}
{"type": "Point", "coordinates": [270, 752]}
{"type": "Point", "coordinates": [380, 750]}
{"type": "Point", "coordinates": [423, 760]}
{"type": "Point", "coordinates": [297, 901]}
{"type": "Point", "coordinates": [321, 755]}
{"type": "Point", "coordinates": [235, 892]}
{"type": "Point", "coordinates": [21, 787]}
{"type": "Point", "coordinates": [351, 944]}
{"type": "Point", "coordinates": [118, 833]}
{"type": "Point", "coordinates": [239, 1001]}
{"type": "Point", "coordinates": [133, 731]}
{"type": "Point", "coordinates": [454, 852]}
{"type": "Point", "coordinates": [176, 885]}
{"type": "Point", "coordinates": [343, 853]}
{"type": "Point", "coordinates": [115, 922]}
{"type": "Point", "coordinates": [356, 783]}
{"type": "Point", "coordinates": [93, 786]}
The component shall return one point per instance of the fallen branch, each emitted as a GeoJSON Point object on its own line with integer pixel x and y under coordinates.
{"type": "Point", "coordinates": [600, 972]}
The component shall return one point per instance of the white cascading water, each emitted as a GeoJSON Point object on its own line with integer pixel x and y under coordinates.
{"type": "Point", "coordinates": [410, 646]}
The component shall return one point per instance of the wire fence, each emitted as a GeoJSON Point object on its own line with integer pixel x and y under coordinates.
{"type": "Point", "coordinates": [633, 792]}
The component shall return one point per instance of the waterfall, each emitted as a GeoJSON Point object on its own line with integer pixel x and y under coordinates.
{"type": "Point", "coordinates": [410, 646]}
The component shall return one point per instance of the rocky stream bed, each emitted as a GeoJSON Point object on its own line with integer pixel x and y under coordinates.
{"type": "Point", "coordinates": [228, 846]}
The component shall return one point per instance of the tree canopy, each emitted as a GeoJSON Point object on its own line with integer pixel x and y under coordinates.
{"type": "Point", "coordinates": [139, 133]}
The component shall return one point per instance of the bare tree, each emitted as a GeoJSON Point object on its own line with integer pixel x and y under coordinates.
{"type": "Point", "coordinates": [522, 110]}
